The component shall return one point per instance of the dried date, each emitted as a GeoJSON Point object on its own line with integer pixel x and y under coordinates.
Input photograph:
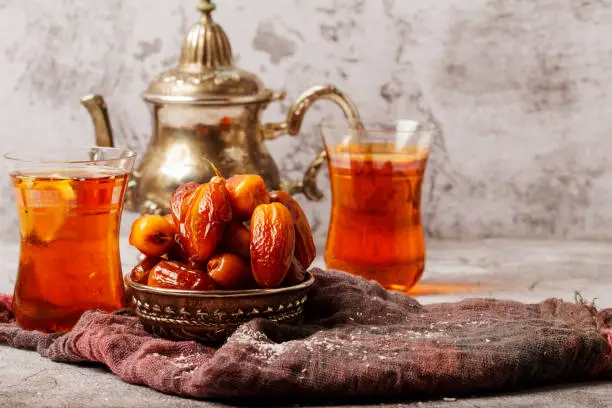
{"type": "Point", "coordinates": [246, 193]}
{"type": "Point", "coordinates": [305, 249]}
{"type": "Point", "coordinates": [175, 275]}
{"type": "Point", "coordinates": [152, 235]}
{"type": "Point", "coordinates": [230, 271]}
{"type": "Point", "coordinates": [179, 201]}
{"type": "Point", "coordinates": [205, 220]}
{"type": "Point", "coordinates": [272, 244]}
{"type": "Point", "coordinates": [237, 239]}
{"type": "Point", "coordinates": [140, 272]}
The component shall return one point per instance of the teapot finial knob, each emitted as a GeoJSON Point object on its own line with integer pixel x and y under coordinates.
{"type": "Point", "coordinates": [206, 45]}
{"type": "Point", "coordinates": [206, 72]}
{"type": "Point", "coordinates": [206, 6]}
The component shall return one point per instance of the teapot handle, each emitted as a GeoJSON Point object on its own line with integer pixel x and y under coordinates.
{"type": "Point", "coordinates": [295, 117]}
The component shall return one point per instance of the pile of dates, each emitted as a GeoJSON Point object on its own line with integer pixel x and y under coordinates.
{"type": "Point", "coordinates": [225, 234]}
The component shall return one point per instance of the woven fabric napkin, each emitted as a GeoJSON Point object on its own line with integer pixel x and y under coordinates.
{"type": "Point", "coordinates": [357, 340]}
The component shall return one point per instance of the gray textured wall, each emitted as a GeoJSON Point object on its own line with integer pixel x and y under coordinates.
{"type": "Point", "coordinates": [522, 90]}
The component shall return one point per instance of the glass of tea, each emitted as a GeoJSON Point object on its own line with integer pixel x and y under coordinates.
{"type": "Point", "coordinates": [69, 204]}
{"type": "Point", "coordinates": [376, 174]}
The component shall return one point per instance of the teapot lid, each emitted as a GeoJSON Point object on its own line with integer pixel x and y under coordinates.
{"type": "Point", "coordinates": [206, 74]}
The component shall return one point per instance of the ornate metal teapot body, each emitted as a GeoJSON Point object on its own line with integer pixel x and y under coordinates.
{"type": "Point", "coordinates": [208, 111]}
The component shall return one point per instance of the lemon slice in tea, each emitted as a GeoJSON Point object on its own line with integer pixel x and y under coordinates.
{"type": "Point", "coordinates": [44, 206]}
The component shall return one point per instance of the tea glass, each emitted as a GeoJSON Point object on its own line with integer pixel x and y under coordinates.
{"type": "Point", "coordinates": [69, 204]}
{"type": "Point", "coordinates": [376, 174]}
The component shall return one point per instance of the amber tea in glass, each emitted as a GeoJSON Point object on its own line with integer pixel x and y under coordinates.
{"type": "Point", "coordinates": [376, 174]}
{"type": "Point", "coordinates": [69, 207]}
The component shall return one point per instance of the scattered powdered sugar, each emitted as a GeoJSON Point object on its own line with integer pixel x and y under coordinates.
{"type": "Point", "coordinates": [264, 348]}
{"type": "Point", "coordinates": [389, 342]}
{"type": "Point", "coordinates": [181, 374]}
{"type": "Point", "coordinates": [385, 342]}
{"type": "Point", "coordinates": [179, 362]}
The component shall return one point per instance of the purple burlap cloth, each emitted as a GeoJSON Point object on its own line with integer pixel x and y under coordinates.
{"type": "Point", "coordinates": [357, 340]}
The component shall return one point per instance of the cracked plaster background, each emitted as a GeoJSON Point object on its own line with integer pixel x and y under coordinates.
{"type": "Point", "coordinates": [521, 90]}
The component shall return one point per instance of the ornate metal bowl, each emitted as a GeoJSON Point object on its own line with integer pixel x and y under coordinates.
{"type": "Point", "coordinates": [211, 317]}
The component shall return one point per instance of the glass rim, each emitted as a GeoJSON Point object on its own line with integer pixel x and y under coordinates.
{"type": "Point", "coordinates": [18, 155]}
{"type": "Point", "coordinates": [373, 126]}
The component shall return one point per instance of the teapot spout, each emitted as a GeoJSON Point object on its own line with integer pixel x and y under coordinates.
{"type": "Point", "coordinates": [96, 107]}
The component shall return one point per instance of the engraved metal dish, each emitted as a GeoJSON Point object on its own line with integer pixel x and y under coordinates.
{"type": "Point", "coordinates": [211, 317]}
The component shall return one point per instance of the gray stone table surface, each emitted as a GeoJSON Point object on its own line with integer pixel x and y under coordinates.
{"type": "Point", "coordinates": [527, 271]}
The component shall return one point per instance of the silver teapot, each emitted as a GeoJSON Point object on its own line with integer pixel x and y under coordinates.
{"type": "Point", "coordinates": [206, 110]}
